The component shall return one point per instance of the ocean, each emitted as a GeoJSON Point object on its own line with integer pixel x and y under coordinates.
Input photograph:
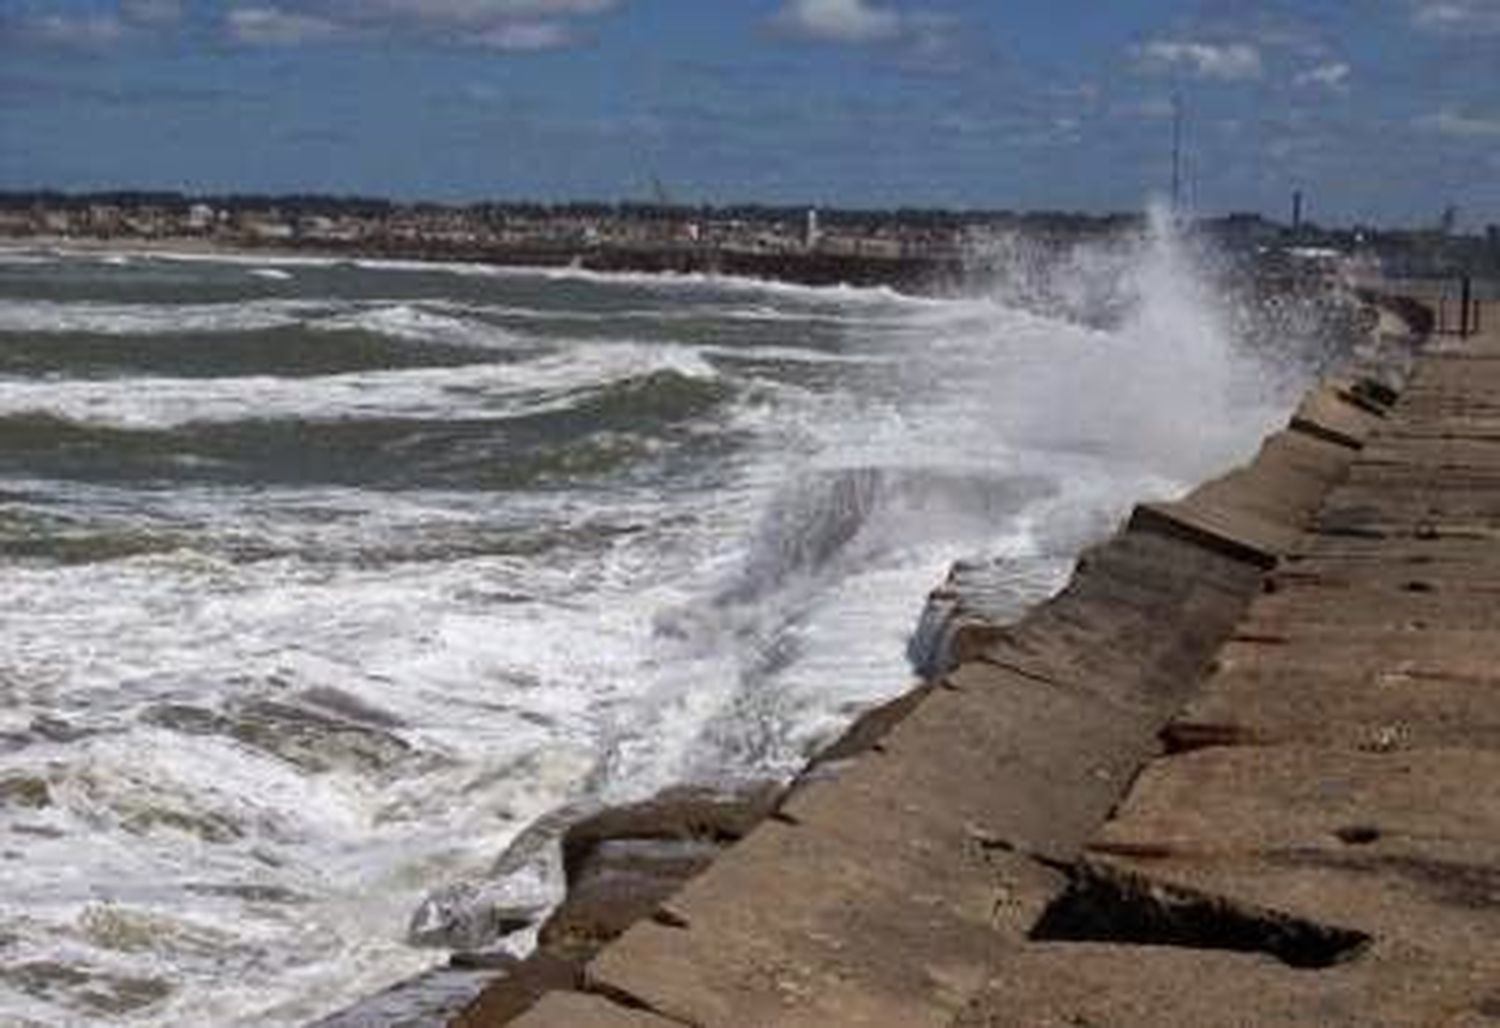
{"type": "Point", "coordinates": [325, 579]}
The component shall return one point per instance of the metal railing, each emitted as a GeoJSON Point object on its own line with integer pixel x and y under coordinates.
{"type": "Point", "coordinates": [1464, 318]}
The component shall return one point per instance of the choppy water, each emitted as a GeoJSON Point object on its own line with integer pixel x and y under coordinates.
{"type": "Point", "coordinates": [323, 580]}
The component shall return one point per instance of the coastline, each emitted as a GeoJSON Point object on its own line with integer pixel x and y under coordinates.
{"type": "Point", "coordinates": [1187, 569]}
{"type": "Point", "coordinates": [806, 268]}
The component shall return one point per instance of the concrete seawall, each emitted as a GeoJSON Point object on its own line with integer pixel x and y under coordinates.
{"type": "Point", "coordinates": [1019, 841]}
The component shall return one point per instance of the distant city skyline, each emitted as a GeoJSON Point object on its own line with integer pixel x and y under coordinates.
{"type": "Point", "coordinates": [1383, 111]}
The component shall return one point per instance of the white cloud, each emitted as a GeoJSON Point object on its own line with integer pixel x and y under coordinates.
{"type": "Point", "coordinates": [1457, 16]}
{"type": "Point", "coordinates": [60, 30]}
{"type": "Point", "coordinates": [497, 24]}
{"type": "Point", "coordinates": [469, 12]}
{"type": "Point", "coordinates": [841, 21]}
{"type": "Point", "coordinates": [525, 35]}
{"type": "Point", "coordinates": [1334, 76]}
{"type": "Point", "coordinates": [271, 26]}
{"type": "Point", "coordinates": [136, 19]}
{"type": "Point", "coordinates": [1463, 126]}
{"type": "Point", "coordinates": [1224, 61]}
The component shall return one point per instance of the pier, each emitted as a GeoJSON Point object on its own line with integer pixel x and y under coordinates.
{"type": "Point", "coordinates": [1243, 770]}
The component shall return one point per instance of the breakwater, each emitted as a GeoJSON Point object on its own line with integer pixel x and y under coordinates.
{"type": "Point", "coordinates": [946, 831]}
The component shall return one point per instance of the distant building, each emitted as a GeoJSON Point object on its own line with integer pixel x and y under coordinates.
{"type": "Point", "coordinates": [266, 228]}
{"type": "Point", "coordinates": [106, 219]}
{"type": "Point", "coordinates": [201, 217]}
{"type": "Point", "coordinates": [811, 234]}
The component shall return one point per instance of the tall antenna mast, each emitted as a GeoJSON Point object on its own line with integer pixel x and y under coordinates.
{"type": "Point", "coordinates": [659, 192]}
{"type": "Point", "coordinates": [1176, 152]}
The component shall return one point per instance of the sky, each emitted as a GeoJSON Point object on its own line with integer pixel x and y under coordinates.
{"type": "Point", "coordinates": [1379, 111]}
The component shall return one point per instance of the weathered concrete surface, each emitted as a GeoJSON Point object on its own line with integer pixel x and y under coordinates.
{"type": "Point", "coordinates": [1077, 984]}
{"type": "Point", "coordinates": [578, 1010]}
{"type": "Point", "coordinates": [1257, 513]}
{"type": "Point", "coordinates": [1397, 845]}
{"type": "Point", "coordinates": [891, 885]}
{"type": "Point", "coordinates": [1337, 412]}
{"type": "Point", "coordinates": [1133, 628]}
{"type": "Point", "coordinates": [913, 880]}
{"type": "Point", "coordinates": [519, 989]}
{"type": "Point", "coordinates": [620, 864]}
{"type": "Point", "coordinates": [1337, 779]}
{"type": "Point", "coordinates": [801, 927]}
{"type": "Point", "coordinates": [882, 894]}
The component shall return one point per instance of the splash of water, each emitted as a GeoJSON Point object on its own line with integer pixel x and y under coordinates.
{"type": "Point", "coordinates": [1147, 361]}
{"type": "Point", "coordinates": [996, 423]}
{"type": "Point", "coordinates": [1022, 420]}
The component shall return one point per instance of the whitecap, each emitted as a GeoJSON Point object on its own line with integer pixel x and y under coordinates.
{"type": "Point", "coordinates": [479, 391]}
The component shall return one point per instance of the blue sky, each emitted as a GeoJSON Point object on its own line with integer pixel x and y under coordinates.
{"type": "Point", "coordinates": [1380, 110]}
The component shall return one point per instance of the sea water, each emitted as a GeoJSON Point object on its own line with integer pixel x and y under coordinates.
{"type": "Point", "coordinates": [323, 580]}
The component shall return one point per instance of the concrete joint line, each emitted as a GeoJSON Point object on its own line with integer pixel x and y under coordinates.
{"type": "Point", "coordinates": [1328, 435]}
{"type": "Point", "coordinates": [629, 1001]}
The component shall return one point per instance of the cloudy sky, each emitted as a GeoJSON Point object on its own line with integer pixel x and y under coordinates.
{"type": "Point", "coordinates": [1380, 110]}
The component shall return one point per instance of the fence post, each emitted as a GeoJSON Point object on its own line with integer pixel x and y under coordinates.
{"type": "Point", "coordinates": [1466, 301]}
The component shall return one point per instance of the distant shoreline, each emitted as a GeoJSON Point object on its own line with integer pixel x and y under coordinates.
{"type": "Point", "coordinates": [810, 268]}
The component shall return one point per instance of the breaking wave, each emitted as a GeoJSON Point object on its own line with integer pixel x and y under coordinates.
{"type": "Point", "coordinates": [319, 601]}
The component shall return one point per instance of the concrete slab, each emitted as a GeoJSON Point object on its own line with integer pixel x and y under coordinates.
{"type": "Point", "coordinates": [1428, 549]}
{"type": "Point", "coordinates": [1104, 633]}
{"type": "Point", "coordinates": [1423, 476]}
{"type": "Point", "coordinates": [1394, 512]}
{"type": "Point", "coordinates": [737, 982]}
{"type": "Point", "coordinates": [1255, 513]}
{"type": "Point", "coordinates": [1403, 846]}
{"type": "Point", "coordinates": [1014, 760]}
{"type": "Point", "coordinates": [1404, 511]}
{"type": "Point", "coordinates": [1071, 985]}
{"type": "Point", "coordinates": [579, 1010]}
{"type": "Point", "coordinates": [1384, 576]}
{"type": "Point", "coordinates": [1308, 454]}
{"type": "Point", "coordinates": [1327, 413]}
{"type": "Point", "coordinates": [792, 927]}
{"type": "Point", "coordinates": [1458, 454]}
{"type": "Point", "coordinates": [1279, 495]}
{"type": "Point", "coordinates": [1450, 421]}
{"type": "Point", "coordinates": [1338, 649]}
{"type": "Point", "coordinates": [1432, 605]}
{"type": "Point", "coordinates": [1401, 704]}
{"type": "Point", "coordinates": [1236, 534]}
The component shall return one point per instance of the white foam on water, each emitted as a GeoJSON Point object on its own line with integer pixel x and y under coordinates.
{"type": "Point", "coordinates": [434, 322]}
{"type": "Point", "coordinates": [720, 629]}
{"type": "Point", "coordinates": [44, 316]}
{"type": "Point", "coordinates": [500, 720]}
{"type": "Point", "coordinates": [828, 296]}
{"type": "Point", "coordinates": [22, 258]}
{"type": "Point", "coordinates": [986, 393]}
{"type": "Point", "coordinates": [423, 323]}
{"type": "Point", "coordinates": [478, 392]}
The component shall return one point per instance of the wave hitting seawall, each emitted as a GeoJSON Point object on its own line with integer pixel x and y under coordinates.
{"type": "Point", "coordinates": [912, 872]}
{"type": "Point", "coordinates": [332, 580]}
